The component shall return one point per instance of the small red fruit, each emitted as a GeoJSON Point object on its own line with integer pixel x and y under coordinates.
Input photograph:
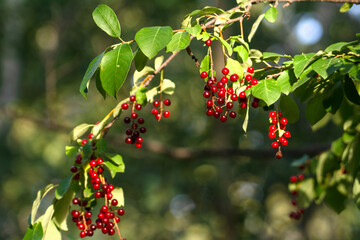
{"type": "Point", "coordinates": [208, 42]}
{"type": "Point", "coordinates": [225, 71]}
{"type": "Point", "coordinates": [250, 70]}
{"type": "Point", "coordinates": [132, 98]}
{"type": "Point", "coordinates": [293, 179]}
{"type": "Point", "coordinates": [283, 121]}
{"type": "Point", "coordinates": [204, 75]}
{"type": "Point", "coordinates": [124, 106]}
{"type": "Point", "coordinates": [272, 114]}
{"type": "Point", "coordinates": [166, 114]}
{"type": "Point", "coordinates": [275, 145]}
{"type": "Point", "coordinates": [234, 77]}
{"type": "Point", "coordinates": [90, 136]}
{"type": "Point", "coordinates": [83, 142]}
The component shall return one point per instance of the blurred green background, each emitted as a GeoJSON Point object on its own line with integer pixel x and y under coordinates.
{"type": "Point", "coordinates": [171, 191]}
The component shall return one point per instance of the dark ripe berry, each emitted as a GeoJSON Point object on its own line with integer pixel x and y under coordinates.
{"type": "Point", "coordinates": [127, 120]}
{"type": "Point", "coordinates": [282, 127]}
{"type": "Point", "coordinates": [136, 134]}
{"type": "Point", "coordinates": [275, 145]}
{"type": "Point", "coordinates": [250, 70]}
{"type": "Point", "coordinates": [77, 176]}
{"type": "Point", "coordinates": [207, 88]}
{"type": "Point", "coordinates": [78, 159]}
{"type": "Point", "coordinates": [142, 130]}
{"type": "Point", "coordinates": [154, 111]}
{"type": "Point", "coordinates": [254, 82]}
{"type": "Point", "coordinates": [234, 77]}
{"type": "Point", "coordinates": [272, 135]}
{"type": "Point", "coordinates": [75, 201]}
{"type": "Point", "coordinates": [232, 114]}
{"type": "Point", "coordinates": [83, 234]}
{"type": "Point", "coordinates": [105, 220]}
{"type": "Point", "coordinates": [114, 202]}
{"type": "Point", "coordinates": [97, 180]}
{"type": "Point", "coordinates": [88, 214]}
{"type": "Point", "coordinates": [287, 134]}
{"type": "Point", "coordinates": [300, 211]}
{"type": "Point", "coordinates": [128, 131]}
{"type": "Point", "coordinates": [243, 105]}
{"type": "Point", "coordinates": [132, 98]}
{"type": "Point", "coordinates": [128, 140]}
{"type": "Point", "coordinates": [210, 82]}
{"type": "Point", "coordinates": [283, 121]}
{"type": "Point", "coordinates": [134, 126]}
{"type": "Point", "coordinates": [278, 155]}
{"type": "Point", "coordinates": [96, 186]}
{"type": "Point", "coordinates": [158, 116]}
{"type": "Point", "coordinates": [225, 71]}
{"type": "Point", "coordinates": [121, 212]}
{"type": "Point", "coordinates": [97, 194]}
{"type": "Point", "coordinates": [256, 99]}
{"type": "Point", "coordinates": [75, 213]}
{"type": "Point", "coordinates": [221, 93]}
{"type": "Point", "coordinates": [223, 118]}
{"type": "Point", "coordinates": [167, 102]}
{"type": "Point", "coordinates": [166, 114]}
{"type": "Point", "coordinates": [111, 187]}
{"type": "Point", "coordinates": [90, 136]}
{"type": "Point", "coordinates": [242, 94]}
{"type": "Point", "coordinates": [73, 169]}
{"type": "Point", "coordinates": [229, 105]}
{"type": "Point", "coordinates": [209, 112]}
{"type": "Point", "coordinates": [99, 223]}
{"type": "Point", "coordinates": [139, 140]}
{"type": "Point", "coordinates": [213, 78]}
{"type": "Point", "coordinates": [124, 106]}
{"type": "Point", "coordinates": [220, 84]}
{"type": "Point", "coordinates": [230, 91]}
{"type": "Point", "coordinates": [294, 193]}
{"type": "Point", "coordinates": [93, 163]}
{"type": "Point", "coordinates": [83, 142]}
{"type": "Point", "coordinates": [108, 214]}
{"type": "Point", "coordinates": [90, 233]}
{"type": "Point", "coordinates": [281, 139]}
{"type": "Point", "coordinates": [105, 186]}
{"type": "Point", "coordinates": [104, 230]}
{"type": "Point", "coordinates": [209, 103]}
{"type": "Point", "coordinates": [293, 215]}
{"type": "Point", "coordinates": [208, 42]}
{"type": "Point", "coordinates": [274, 121]}
{"type": "Point", "coordinates": [224, 79]}
{"type": "Point", "coordinates": [272, 128]}
{"type": "Point", "coordinates": [156, 103]}
{"type": "Point", "coordinates": [293, 179]}
{"type": "Point", "coordinates": [248, 77]}
{"type": "Point", "coordinates": [104, 209]}
{"type": "Point", "coordinates": [206, 94]}
{"type": "Point", "coordinates": [203, 74]}
{"type": "Point", "coordinates": [272, 114]}
{"type": "Point", "coordinates": [138, 107]}
{"type": "Point", "coordinates": [138, 145]}
{"type": "Point", "coordinates": [100, 169]}
{"type": "Point", "coordinates": [280, 114]}
{"type": "Point", "coordinates": [301, 177]}
{"type": "Point", "coordinates": [234, 97]}
{"type": "Point", "coordinates": [99, 161]}
{"type": "Point", "coordinates": [134, 115]}
{"type": "Point", "coordinates": [93, 227]}
{"type": "Point", "coordinates": [285, 142]}
{"type": "Point", "coordinates": [216, 114]}
{"type": "Point", "coordinates": [81, 226]}
{"type": "Point", "coordinates": [221, 101]}
{"type": "Point", "coordinates": [213, 89]}
{"type": "Point", "coordinates": [117, 219]}
{"type": "Point", "coordinates": [110, 225]}
{"type": "Point", "coordinates": [255, 104]}
{"type": "Point", "coordinates": [218, 109]}
{"type": "Point", "coordinates": [111, 231]}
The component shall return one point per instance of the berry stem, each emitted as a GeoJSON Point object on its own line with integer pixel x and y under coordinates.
{"type": "Point", "coordinates": [118, 230]}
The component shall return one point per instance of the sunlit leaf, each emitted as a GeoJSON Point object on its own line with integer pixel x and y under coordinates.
{"type": "Point", "coordinates": [271, 14]}
{"type": "Point", "coordinates": [62, 207]}
{"type": "Point", "coordinates": [93, 66]}
{"type": "Point", "coordinates": [105, 18]}
{"type": "Point", "coordinates": [79, 131]}
{"type": "Point", "coordinates": [267, 90]}
{"type": "Point", "coordinates": [345, 7]}
{"type": "Point", "coordinates": [34, 232]}
{"type": "Point", "coordinates": [141, 96]}
{"type": "Point", "coordinates": [63, 187]}
{"type": "Point", "coordinates": [255, 27]}
{"type": "Point", "coordinates": [140, 60]}
{"type": "Point", "coordinates": [40, 194]}
{"type": "Point", "coordinates": [118, 194]}
{"type": "Point", "coordinates": [179, 41]}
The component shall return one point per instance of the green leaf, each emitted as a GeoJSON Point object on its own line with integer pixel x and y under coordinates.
{"type": "Point", "coordinates": [195, 30]}
{"type": "Point", "coordinates": [93, 66]}
{"type": "Point", "coordinates": [345, 7]}
{"type": "Point", "coordinates": [98, 127]}
{"type": "Point", "coordinates": [336, 47]}
{"type": "Point", "coordinates": [87, 150]}
{"type": "Point", "coordinates": [46, 222]}
{"type": "Point", "coordinates": [179, 41]}
{"type": "Point", "coordinates": [79, 131]}
{"type": "Point", "coordinates": [327, 163]}
{"type": "Point", "coordinates": [118, 194]}
{"type": "Point", "coordinates": [205, 11]}
{"type": "Point", "coordinates": [116, 158]}
{"type": "Point", "coordinates": [152, 39]}
{"type": "Point", "coordinates": [271, 14]}
{"type": "Point", "coordinates": [158, 62]}
{"type": "Point", "coordinates": [267, 90]}
{"type": "Point", "coordinates": [285, 81]}
{"type": "Point", "coordinates": [333, 98]}
{"type": "Point", "coordinates": [255, 27]}
{"type": "Point", "coordinates": [71, 151]}
{"type": "Point", "coordinates": [168, 87]}
{"type": "Point", "coordinates": [235, 67]}
{"type": "Point", "coordinates": [306, 192]}
{"type": "Point", "coordinates": [351, 156]}
{"type": "Point", "coordinates": [289, 108]}
{"type": "Point", "coordinates": [205, 64]}
{"type": "Point", "coordinates": [40, 195]}
{"type": "Point", "coordinates": [356, 192]}
{"type": "Point", "coordinates": [242, 52]}
{"type": "Point", "coordinates": [62, 207]}
{"type": "Point", "coordinates": [52, 232]}
{"type": "Point", "coordinates": [115, 66]}
{"type": "Point", "coordinates": [101, 145]}
{"type": "Point", "coordinates": [326, 67]}
{"type": "Point", "coordinates": [272, 57]}
{"type": "Point", "coordinates": [335, 199]}
{"type": "Point", "coordinates": [114, 168]}
{"type": "Point", "coordinates": [63, 187]}
{"type": "Point", "coordinates": [141, 96]}
{"type": "Point", "coordinates": [34, 232]}
{"type": "Point", "coordinates": [338, 147]}
{"type": "Point", "coordinates": [303, 78]}
{"type": "Point", "coordinates": [99, 87]}
{"type": "Point", "coordinates": [105, 18]}
{"type": "Point", "coordinates": [226, 45]}
{"type": "Point", "coordinates": [300, 62]}
{"type": "Point", "coordinates": [143, 73]}
{"type": "Point", "coordinates": [314, 109]}
{"type": "Point", "coordinates": [350, 90]}
{"type": "Point", "coordinates": [140, 60]}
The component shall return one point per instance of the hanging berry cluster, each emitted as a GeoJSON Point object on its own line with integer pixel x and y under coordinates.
{"type": "Point", "coordinates": [277, 131]}
{"type": "Point", "coordinates": [295, 181]}
{"type": "Point", "coordinates": [158, 112]}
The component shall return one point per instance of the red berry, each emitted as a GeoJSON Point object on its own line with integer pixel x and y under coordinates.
{"type": "Point", "coordinates": [242, 94]}
{"type": "Point", "coordinates": [225, 71]}
{"type": "Point", "coordinates": [220, 85]}
{"type": "Point", "coordinates": [111, 231]}
{"type": "Point", "coordinates": [272, 135]}
{"type": "Point", "coordinates": [154, 111]}
{"type": "Point", "coordinates": [283, 121]}
{"type": "Point", "coordinates": [209, 103]}
{"type": "Point", "coordinates": [284, 142]}
{"type": "Point", "coordinates": [138, 107]}
{"type": "Point", "coordinates": [104, 230]}
{"type": "Point", "coordinates": [75, 213]}
{"type": "Point", "coordinates": [272, 128]}
{"type": "Point", "coordinates": [90, 136]}
{"type": "Point", "coordinates": [234, 77]}
{"type": "Point", "coordinates": [224, 79]}
{"type": "Point", "coordinates": [124, 106]}
{"type": "Point", "coordinates": [209, 112]}
{"type": "Point", "coordinates": [274, 121]}
{"type": "Point", "coordinates": [88, 214]}
{"type": "Point", "coordinates": [232, 114]}
{"type": "Point", "coordinates": [230, 91]}
{"type": "Point", "coordinates": [234, 97]}
{"type": "Point", "coordinates": [139, 140]}
{"type": "Point", "coordinates": [221, 93]}
{"type": "Point", "coordinates": [97, 194]}
{"type": "Point", "coordinates": [208, 42]}
{"type": "Point", "coordinates": [206, 94]}
{"type": "Point", "coordinates": [166, 114]}
{"type": "Point", "coordinates": [218, 109]}
{"type": "Point", "coordinates": [278, 155]}
{"type": "Point", "coordinates": [243, 105]}
{"type": "Point", "coordinates": [275, 145]}
{"type": "Point", "coordinates": [167, 102]}
{"type": "Point", "coordinates": [213, 89]}
{"type": "Point", "coordinates": [248, 77]}
{"type": "Point", "coordinates": [75, 201]}
{"type": "Point", "coordinates": [255, 104]}
{"type": "Point", "coordinates": [128, 140]}
{"type": "Point", "coordinates": [223, 118]}
{"type": "Point", "coordinates": [120, 212]}
{"type": "Point", "coordinates": [301, 177]}
{"type": "Point", "coordinates": [287, 134]}
{"type": "Point", "coordinates": [83, 142]}
{"type": "Point", "coordinates": [158, 117]}
{"type": "Point", "coordinates": [99, 161]}
{"type": "Point", "coordinates": [127, 120]}
{"type": "Point", "coordinates": [281, 139]}
{"type": "Point", "coordinates": [138, 145]}
{"type": "Point", "coordinates": [254, 82]}
{"type": "Point", "coordinates": [93, 163]}
{"type": "Point", "coordinates": [117, 219]}
{"type": "Point", "coordinates": [83, 234]}
{"type": "Point", "coordinates": [272, 114]}
{"type": "Point", "coordinates": [109, 195]}
{"type": "Point", "coordinates": [204, 74]}
{"type": "Point", "coordinates": [73, 169]}
{"type": "Point", "coordinates": [229, 105]}
{"type": "Point", "coordinates": [293, 179]}
{"type": "Point", "coordinates": [114, 202]}
{"type": "Point", "coordinates": [250, 70]}
{"type": "Point", "coordinates": [134, 115]}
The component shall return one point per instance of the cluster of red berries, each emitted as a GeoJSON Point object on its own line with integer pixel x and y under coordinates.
{"type": "Point", "coordinates": [277, 131]}
{"type": "Point", "coordinates": [107, 218]}
{"type": "Point", "coordinates": [134, 131]}
{"type": "Point", "coordinates": [248, 81]}
{"type": "Point", "coordinates": [157, 111]}
{"type": "Point", "coordinates": [296, 179]}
